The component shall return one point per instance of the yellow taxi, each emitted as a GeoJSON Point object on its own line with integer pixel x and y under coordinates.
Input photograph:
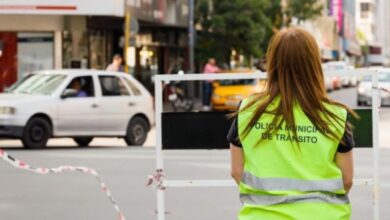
{"type": "Point", "coordinates": [227, 94]}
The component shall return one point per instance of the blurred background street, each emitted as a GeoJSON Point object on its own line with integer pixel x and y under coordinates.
{"type": "Point", "coordinates": [83, 72]}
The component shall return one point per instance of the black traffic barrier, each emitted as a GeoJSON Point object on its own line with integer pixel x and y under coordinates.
{"type": "Point", "coordinates": [208, 130]}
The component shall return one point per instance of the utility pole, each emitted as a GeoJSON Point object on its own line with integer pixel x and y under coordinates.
{"type": "Point", "coordinates": [127, 38]}
{"type": "Point", "coordinates": [191, 42]}
{"type": "Point", "coordinates": [191, 34]}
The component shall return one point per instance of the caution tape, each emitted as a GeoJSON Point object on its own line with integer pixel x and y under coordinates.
{"type": "Point", "coordinates": [61, 169]}
{"type": "Point", "coordinates": [157, 179]}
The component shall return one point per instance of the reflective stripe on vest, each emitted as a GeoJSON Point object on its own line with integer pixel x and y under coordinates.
{"type": "Point", "coordinates": [265, 200]}
{"type": "Point", "coordinates": [328, 185]}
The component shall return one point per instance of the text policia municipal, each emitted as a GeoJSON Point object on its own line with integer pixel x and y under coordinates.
{"type": "Point", "coordinates": [307, 130]}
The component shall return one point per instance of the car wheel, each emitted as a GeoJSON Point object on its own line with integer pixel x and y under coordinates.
{"type": "Point", "coordinates": [36, 133]}
{"type": "Point", "coordinates": [83, 141]}
{"type": "Point", "coordinates": [137, 131]}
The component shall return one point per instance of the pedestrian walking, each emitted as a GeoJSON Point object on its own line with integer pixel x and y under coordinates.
{"type": "Point", "coordinates": [210, 67]}
{"type": "Point", "coordinates": [291, 146]}
{"type": "Point", "coordinates": [116, 64]}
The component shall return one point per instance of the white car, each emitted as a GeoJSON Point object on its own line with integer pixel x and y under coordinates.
{"type": "Point", "coordinates": [81, 104]}
{"type": "Point", "coordinates": [365, 90]}
{"type": "Point", "coordinates": [338, 81]}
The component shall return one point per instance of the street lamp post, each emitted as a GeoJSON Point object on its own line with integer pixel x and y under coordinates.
{"type": "Point", "coordinates": [191, 33]}
{"type": "Point", "coordinates": [191, 42]}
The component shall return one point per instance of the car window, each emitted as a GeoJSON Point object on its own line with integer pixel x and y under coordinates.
{"type": "Point", "coordinates": [112, 86]}
{"type": "Point", "coordinates": [83, 85]}
{"type": "Point", "coordinates": [383, 77]}
{"type": "Point", "coordinates": [38, 84]}
{"type": "Point", "coordinates": [236, 82]}
{"type": "Point", "coordinates": [132, 86]}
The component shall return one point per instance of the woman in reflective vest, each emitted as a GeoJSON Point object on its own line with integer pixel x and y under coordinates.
{"type": "Point", "coordinates": [291, 145]}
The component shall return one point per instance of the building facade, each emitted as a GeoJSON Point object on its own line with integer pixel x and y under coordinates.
{"type": "Point", "coordinates": [382, 19]}
{"type": "Point", "coordinates": [34, 34]}
{"type": "Point", "coordinates": [352, 52]}
{"type": "Point", "coordinates": [159, 38]}
{"type": "Point", "coordinates": [325, 29]}
{"type": "Point", "coordinates": [367, 25]}
{"type": "Point", "coordinates": [47, 34]}
{"type": "Point", "coordinates": [336, 33]}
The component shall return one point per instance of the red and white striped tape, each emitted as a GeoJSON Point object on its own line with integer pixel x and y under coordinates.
{"type": "Point", "coordinates": [157, 179]}
{"type": "Point", "coordinates": [21, 165]}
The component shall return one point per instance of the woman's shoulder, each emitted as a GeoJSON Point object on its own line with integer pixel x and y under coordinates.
{"type": "Point", "coordinates": [336, 108]}
{"type": "Point", "coordinates": [253, 99]}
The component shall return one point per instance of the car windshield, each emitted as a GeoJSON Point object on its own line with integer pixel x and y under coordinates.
{"type": "Point", "coordinates": [383, 77]}
{"type": "Point", "coordinates": [236, 82]}
{"type": "Point", "coordinates": [38, 84]}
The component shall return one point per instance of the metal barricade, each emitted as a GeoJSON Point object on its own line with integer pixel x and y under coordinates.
{"type": "Point", "coordinates": [159, 79]}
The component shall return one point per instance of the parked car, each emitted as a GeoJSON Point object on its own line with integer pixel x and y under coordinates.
{"type": "Point", "coordinates": [365, 90]}
{"type": "Point", "coordinates": [338, 81]}
{"type": "Point", "coordinates": [353, 80]}
{"type": "Point", "coordinates": [80, 104]}
{"type": "Point", "coordinates": [329, 83]}
{"type": "Point", "coordinates": [227, 94]}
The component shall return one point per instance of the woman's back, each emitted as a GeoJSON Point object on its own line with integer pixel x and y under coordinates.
{"type": "Point", "coordinates": [288, 163]}
{"type": "Point", "coordinates": [284, 172]}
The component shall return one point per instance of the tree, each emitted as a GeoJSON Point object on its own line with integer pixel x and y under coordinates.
{"type": "Point", "coordinates": [225, 25]}
{"type": "Point", "coordinates": [281, 13]}
{"type": "Point", "coordinates": [245, 25]}
{"type": "Point", "coordinates": [302, 10]}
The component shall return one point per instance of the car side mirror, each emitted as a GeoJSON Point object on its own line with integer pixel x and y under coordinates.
{"type": "Point", "coordinates": [69, 93]}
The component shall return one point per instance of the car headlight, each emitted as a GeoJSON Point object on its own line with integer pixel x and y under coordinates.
{"type": "Point", "coordinates": [362, 90]}
{"type": "Point", "coordinates": [7, 110]}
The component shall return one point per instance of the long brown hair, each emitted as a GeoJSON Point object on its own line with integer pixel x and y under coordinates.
{"type": "Point", "coordinates": [294, 73]}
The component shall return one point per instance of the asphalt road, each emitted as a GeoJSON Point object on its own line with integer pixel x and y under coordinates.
{"type": "Point", "coordinates": [77, 196]}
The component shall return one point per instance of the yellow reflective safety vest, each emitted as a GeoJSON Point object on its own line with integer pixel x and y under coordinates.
{"type": "Point", "coordinates": [284, 181]}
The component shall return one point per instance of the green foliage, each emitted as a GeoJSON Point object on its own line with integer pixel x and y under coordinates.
{"type": "Point", "coordinates": [244, 25]}
{"type": "Point", "coordinates": [302, 10]}
{"type": "Point", "coordinates": [230, 24]}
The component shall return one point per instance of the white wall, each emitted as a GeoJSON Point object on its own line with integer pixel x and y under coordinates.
{"type": "Point", "coordinates": [366, 25]}
{"type": "Point", "coordinates": [382, 30]}
{"type": "Point", "coordinates": [31, 22]}
{"type": "Point", "coordinates": [63, 7]}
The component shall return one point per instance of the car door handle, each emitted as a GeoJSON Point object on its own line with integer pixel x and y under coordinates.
{"type": "Point", "coordinates": [131, 104]}
{"type": "Point", "coordinates": [94, 105]}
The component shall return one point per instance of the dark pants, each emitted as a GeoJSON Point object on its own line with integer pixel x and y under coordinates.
{"type": "Point", "coordinates": [207, 87]}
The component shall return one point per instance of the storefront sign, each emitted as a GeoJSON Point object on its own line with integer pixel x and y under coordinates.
{"type": "Point", "coordinates": [1, 48]}
{"type": "Point", "coordinates": [63, 7]}
{"type": "Point", "coordinates": [336, 10]}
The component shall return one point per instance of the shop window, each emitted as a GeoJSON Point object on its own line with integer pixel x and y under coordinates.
{"type": "Point", "coordinates": [35, 52]}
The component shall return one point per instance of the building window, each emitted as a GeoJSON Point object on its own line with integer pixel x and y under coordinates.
{"type": "Point", "coordinates": [364, 9]}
